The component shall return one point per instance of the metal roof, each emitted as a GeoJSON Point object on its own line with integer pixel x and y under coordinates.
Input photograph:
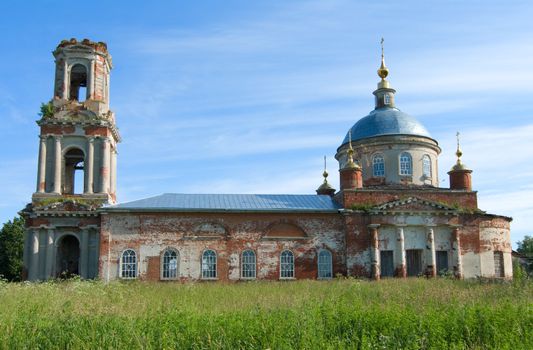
{"type": "Point", "coordinates": [180, 202]}
{"type": "Point", "coordinates": [386, 121]}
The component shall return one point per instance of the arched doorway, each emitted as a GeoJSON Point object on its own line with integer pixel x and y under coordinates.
{"type": "Point", "coordinates": [68, 257]}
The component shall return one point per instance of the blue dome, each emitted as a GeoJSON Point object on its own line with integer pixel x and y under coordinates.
{"type": "Point", "coordinates": [386, 121]}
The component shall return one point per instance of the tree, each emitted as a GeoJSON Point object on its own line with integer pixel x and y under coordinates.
{"type": "Point", "coordinates": [525, 247]}
{"type": "Point", "coordinates": [11, 249]}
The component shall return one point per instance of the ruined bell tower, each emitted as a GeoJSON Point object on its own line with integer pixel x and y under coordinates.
{"type": "Point", "coordinates": [76, 171]}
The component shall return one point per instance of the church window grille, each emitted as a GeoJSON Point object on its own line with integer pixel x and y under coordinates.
{"type": "Point", "coordinates": [248, 267]}
{"type": "Point", "coordinates": [128, 264]}
{"type": "Point", "coordinates": [209, 264]}
{"type": "Point", "coordinates": [325, 262]}
{"type": "Point", "coordinates": [170, 265]}
{"type": "Point", "coordinates": [426, 165]}
{"type": "Point", "coordinates": [378, 165]}
{"type": "Point", "coordinates": [287, 264]}
{"type": "Point", "coordinates": [386, 100]}
{"type": "Point", "coordinates": [406, 164]}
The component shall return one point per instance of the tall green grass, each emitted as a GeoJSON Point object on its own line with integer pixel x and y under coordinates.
{"type": "Point", "coordinates": [353, 314]}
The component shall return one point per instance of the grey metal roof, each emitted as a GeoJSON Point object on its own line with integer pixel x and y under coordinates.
{"type": "Point", "coordinates": [230, 202]}
{"type": "Point", "coordinates": [386, 121]}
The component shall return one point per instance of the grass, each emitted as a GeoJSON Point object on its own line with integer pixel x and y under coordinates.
{"type": "Point", "coordinates": [344, 313]}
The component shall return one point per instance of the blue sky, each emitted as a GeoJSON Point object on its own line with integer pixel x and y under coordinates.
{"type": "Point", "coordinates": [248, 96]}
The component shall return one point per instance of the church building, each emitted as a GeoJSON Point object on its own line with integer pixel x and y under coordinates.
{"type": "Point", "coordinates": [389, 217]}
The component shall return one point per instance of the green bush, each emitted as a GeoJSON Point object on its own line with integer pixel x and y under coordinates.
{"type": "Point", "coordinates": [11, 249]}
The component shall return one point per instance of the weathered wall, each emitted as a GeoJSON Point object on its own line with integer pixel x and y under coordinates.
{"type": "Point", "coordinates": [227, 234]}
{"type": "Point", "coordinates": [43, 239]}
{"type": "Point", "coordinates": [369, 197]}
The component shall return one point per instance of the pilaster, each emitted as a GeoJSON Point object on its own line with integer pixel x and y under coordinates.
{"type": "Point", "coordinates": [57, 164]}
{"type": "Point", "coordinates": [104, 167]}
{"type": "Point", "coordinates": [41, 170]}
{"type": "Point", "coordinates": [432, 266]}
{"type": "Point", "coordinates": [50, 253]}
{"type": "Point", "coordinates": [34, 255]}
{"type": "Point", "coordinates": [456, 247]}
{"type": "Point", "coordinates": [84, 252]}
{"type": "Point", "coordinates": [401, 270]}
{"type": "Point", "coordinates": [374, 252]}
{"type": "Point", "coordinates": [89, 169]}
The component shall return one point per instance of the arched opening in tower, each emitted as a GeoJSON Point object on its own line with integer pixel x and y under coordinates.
{"type": "Point", "coordinates": [74, 172]}
{"type": "Point", "coordinates": [68, 257]}
{"type": "Point", "coordinates": [78, 83]}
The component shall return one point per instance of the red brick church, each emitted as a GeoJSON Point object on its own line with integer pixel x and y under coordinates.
{"type": "Point", "coordinates": [388, 219]}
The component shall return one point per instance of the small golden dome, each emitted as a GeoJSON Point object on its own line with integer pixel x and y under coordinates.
{"type": "Point", "coordinates": [383, 71]}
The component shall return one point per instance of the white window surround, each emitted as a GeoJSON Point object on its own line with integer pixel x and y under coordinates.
{"type": "Point", "coordinates": [406, 164]}
{"type": "Point", "coordinates": [426, 166]}
{"type": "Point", "coordinates": [378, 165]}
{"type": "Point", "coordinates": [286, 267]}
{"type": "Point", "coordinates": [170, 262]}
{"type": "Point", "coordinates": [128, 264]}
{"type": "Point", "coordinates": [248, 264]}
{"type": "Point", "coordinates": [209, 264]}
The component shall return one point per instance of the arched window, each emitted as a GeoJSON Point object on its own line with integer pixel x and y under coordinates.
{"type": "Point", "coordinates": [128, 264]}
{"type": "Point", "coordinates": [170, 265]}
{"type": "Point", "coordinates": [78, 83]}
{"type": "Point", "coordinates": [426, 166]}
{"type": "Point", "coordinates": [248, 264]}
{"type": "Point", "coordinates": [386, 99]}
{"type": "Point", "coordinates": [209, 264]}
{"type": "Point", "coordinates": [378, 165]}
{"type": "Point", "coordinates": [74, 167]}
{"type": "Point", "coordinates": [325, 262]}
{"type": "Point", "coordinates": [286, 264]}
{"type": "Point", "coordinates": [406, 164]}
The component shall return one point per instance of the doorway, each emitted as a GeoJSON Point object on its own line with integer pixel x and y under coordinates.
{"type": "Point", "coordinates": [387, 263]}
{"type": "Point", "coordinates": [68, 257]}
{"type": "Point", "coordinates": [414, 262]}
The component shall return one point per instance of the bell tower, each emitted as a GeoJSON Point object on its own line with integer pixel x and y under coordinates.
{"type": "Point", "coordinates": [77, 162]}
{"type": "Point", "coordinates": [78, 138]}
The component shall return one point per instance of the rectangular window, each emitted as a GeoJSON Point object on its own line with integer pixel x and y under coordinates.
{"type": "Point", "coordinates": [414, 262]}
{"type": "Point", "coordinates": [387, 263]}
{"type": "Point", "coordinates": [498, 264]}
{"type": "Point", "coordinates": [442, 261]}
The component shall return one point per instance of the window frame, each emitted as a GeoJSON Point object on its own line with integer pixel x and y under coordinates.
{"type": "Point", "coordinates": [386, 100]}
{"type": "Point", "coordinates": [163, 263]}
{"type": "Point", "coordinates": [122, 264]}
{"type": "Point", "coordinates": [254, 264]}
{"type": "Point", "coordinates": [408, 171]}
{"type": "Point", "coordinates": [290, 264]}
{"type": "Point", "coordinates": [329, 264]}
{"type": "Point", "coordinates": [374, 164]}
{"type": "Point", "coordinates": [426, 165]}
{"type": "Point", "coordinates": [202, 275]}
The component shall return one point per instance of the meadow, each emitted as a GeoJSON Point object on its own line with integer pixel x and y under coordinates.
{"type": "Point", "coordinates": [337, 314]}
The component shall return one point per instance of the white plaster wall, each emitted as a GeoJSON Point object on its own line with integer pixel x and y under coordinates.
{"type": "Point", "coordinates": [391, 148]}
{"type": "Point", "coordinates": [495, 239]}
{"type": "Point", "coordinates": [471, 265]}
